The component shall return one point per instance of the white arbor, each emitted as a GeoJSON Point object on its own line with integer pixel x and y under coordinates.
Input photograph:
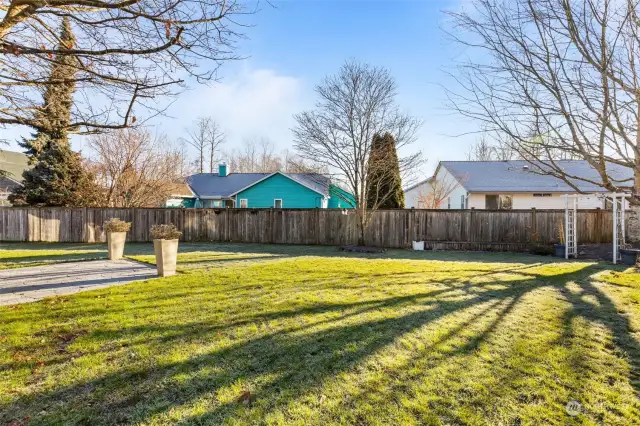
{"type": "Point", "coordinates": [618, 203]}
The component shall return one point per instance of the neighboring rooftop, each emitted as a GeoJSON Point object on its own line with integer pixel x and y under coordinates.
{"type": "Point", "coordinates": [14, 163]}
{"type": "Point", "coordinates": [181, 190]}
{"type": "Point", "coordinates": [522, 176]}
{"type": "Point", "coordinates": [212, 185]}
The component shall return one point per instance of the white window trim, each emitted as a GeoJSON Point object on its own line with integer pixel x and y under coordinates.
{"type": "Point", "coordinates": [274, 203]}
{"type": "Point", "coordinates": [246, 203]}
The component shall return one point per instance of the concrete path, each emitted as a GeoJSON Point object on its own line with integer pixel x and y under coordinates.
{"type": "Point", "coordinates": [23, 285]}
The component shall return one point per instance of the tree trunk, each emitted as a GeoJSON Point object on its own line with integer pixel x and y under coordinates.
{"type": "Point", "coordinates": [362, 224]}
{"type": "Point", "coordinates": [635, 189]}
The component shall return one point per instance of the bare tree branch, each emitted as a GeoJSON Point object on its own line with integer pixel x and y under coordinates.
{"type": "Point", "coordinates": [554, 80]}
{"type": "Point", "coordinates": [129, 55]}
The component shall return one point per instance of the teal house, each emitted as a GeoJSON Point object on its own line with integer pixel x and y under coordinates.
{"type": "Point", "coordinates": [278, 190]}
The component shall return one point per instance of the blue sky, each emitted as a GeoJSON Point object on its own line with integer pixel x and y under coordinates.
{"type": "Point", "coordinates": [293, 45]}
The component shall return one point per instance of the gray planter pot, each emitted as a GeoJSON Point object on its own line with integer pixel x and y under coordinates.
{"type": "Point", "coordinates": [115, 244]}
{"type": "Point", "coordinates": [166, 256]}
{"type": "Point", "coordinates": [629, 256]}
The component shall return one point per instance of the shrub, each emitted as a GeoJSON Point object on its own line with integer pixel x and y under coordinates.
{"type": "Point", "coordinates": [116, 225]}
{"type": "Point", "coordinates": [165, 232]}
{"type": "Point", "coordinates": [542, 250]}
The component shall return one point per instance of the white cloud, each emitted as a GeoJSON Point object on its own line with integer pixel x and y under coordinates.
{"type": "Point", "coordinates": [254, 103]}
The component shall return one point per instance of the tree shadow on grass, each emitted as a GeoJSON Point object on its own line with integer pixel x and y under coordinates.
{"type": "Point", "coordinates": [279, 365]}
{"type": "Point", "coordinates": [605, 313]}
{"type": "Point", "coordinates": [47, 258]}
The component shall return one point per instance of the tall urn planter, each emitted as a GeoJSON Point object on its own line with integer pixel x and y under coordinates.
{"type": "Point", "coordinates": [165, 247]}
{"type": "Point", "coordinates": [116, 230]}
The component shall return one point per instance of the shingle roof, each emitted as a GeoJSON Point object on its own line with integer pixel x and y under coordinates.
{"type": "Point", "coordinates": [14, 163]}
{"type": "Point", "coordinates": [211, 185]}
{"type": "Point", "coordinates": [513, 176]}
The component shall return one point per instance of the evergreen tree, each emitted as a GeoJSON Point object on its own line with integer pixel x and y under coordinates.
{"type": "Point", "coordinates": [53, 118]}
{"type": "Point", "coordinates": [384, 185]}
{"type": "Point", "coordinates": [58, 177]}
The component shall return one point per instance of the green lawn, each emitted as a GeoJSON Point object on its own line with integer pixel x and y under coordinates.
{"type": "Point", "coordinates": [207, 255]}
{"type": "Point", "coordinates": [307, 335]}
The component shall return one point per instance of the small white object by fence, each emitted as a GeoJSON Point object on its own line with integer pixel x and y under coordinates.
{"type": "Point", "coordinates": [417, 245]}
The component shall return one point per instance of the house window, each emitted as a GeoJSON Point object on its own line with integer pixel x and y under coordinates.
{"type": "Point", "coordinates": [462, 201]}
{"type": "Point", "coordinates": [244, 203]}
{"type": "Point", "coordinates": [506, 202]}
{"type": "Point", "coordinates": [449, 202]}
{"type": "Point", "coordinates": [491, 202]}
{"type": "Point", "coordinates": [542, 195]}
{"type": "Point", "coordinates": [498, 202]}
{"type": "Point", "coordinates": [277, 203]}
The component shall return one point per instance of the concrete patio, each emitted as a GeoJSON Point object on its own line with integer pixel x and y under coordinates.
{"type": "Point", "coordinates": [24, 285]}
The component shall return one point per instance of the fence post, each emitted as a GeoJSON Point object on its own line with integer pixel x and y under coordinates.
{"type": "Point", "coordinates": [133, 237]}
{"type": "Point", "coordinates": [412, 229]}
{"type": "Point", "coordinates": [317, 226]}
{"type": "Point", "coordinates": [598, 225]}
{"type": "Point", "coordinates": [85, 221]}
{"type": "Point", "coordinates": [534, 226]}
{"type": "Point", "coordinates": [472, 225]}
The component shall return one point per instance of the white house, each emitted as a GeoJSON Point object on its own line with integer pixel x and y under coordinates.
{"type": "Point", "coordinates": [507, 185]}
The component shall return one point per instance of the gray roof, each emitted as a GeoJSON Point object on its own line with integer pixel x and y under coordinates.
{"type": "Point", "coordinates": [519, 176]}
{"type": "Point", "coordinates": [211, 185]}
{"type": "Point", "coordinates": [14, 163]}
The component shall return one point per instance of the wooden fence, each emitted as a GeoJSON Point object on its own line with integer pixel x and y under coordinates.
{"type": "Point", "coordinates": [446, 229]}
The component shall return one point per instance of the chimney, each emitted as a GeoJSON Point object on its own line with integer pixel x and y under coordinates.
{"type": "Point", "coordinates": [223, 170]}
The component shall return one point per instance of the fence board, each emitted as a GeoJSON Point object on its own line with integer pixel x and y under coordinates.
{"type": "Point", "coordinates": [450, 229]}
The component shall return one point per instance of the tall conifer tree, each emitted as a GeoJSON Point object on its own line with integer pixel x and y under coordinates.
{"type": "Point", "coordinates": [384, 182]}
{"type": "Point", "coordinates": [53, 118]}
{"type": "Point", "coordinates": [58, 177]}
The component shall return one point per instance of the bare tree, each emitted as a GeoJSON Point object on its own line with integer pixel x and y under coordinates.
{"type": "Point", "coordinates": [293, 163]}
{"type": "Point", "coordinates": [557, 79]}
{"type": "Point", "coordinates": [482, 150]}
{"type": "Point", "coordinates": [206, 137]}
{"type": "Point", "coordinates": [184, 166]}
{"type": "Point", "coordinates": [255, 156]}
{"type": "Point", "coordinates": [216, 138]}
{"type": "Point", "coordinates": [126, 54]}
{"type": "Point", "coordinates": [490, 148]}
{"type": "Point", "coordinates": [268, 159]}
{"type": "Point", "coordinates": [134, 167]}
{"type": "Point", "coordinates": [436, 192]}
{"type": "Point", "coordinates": [354, 105]}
